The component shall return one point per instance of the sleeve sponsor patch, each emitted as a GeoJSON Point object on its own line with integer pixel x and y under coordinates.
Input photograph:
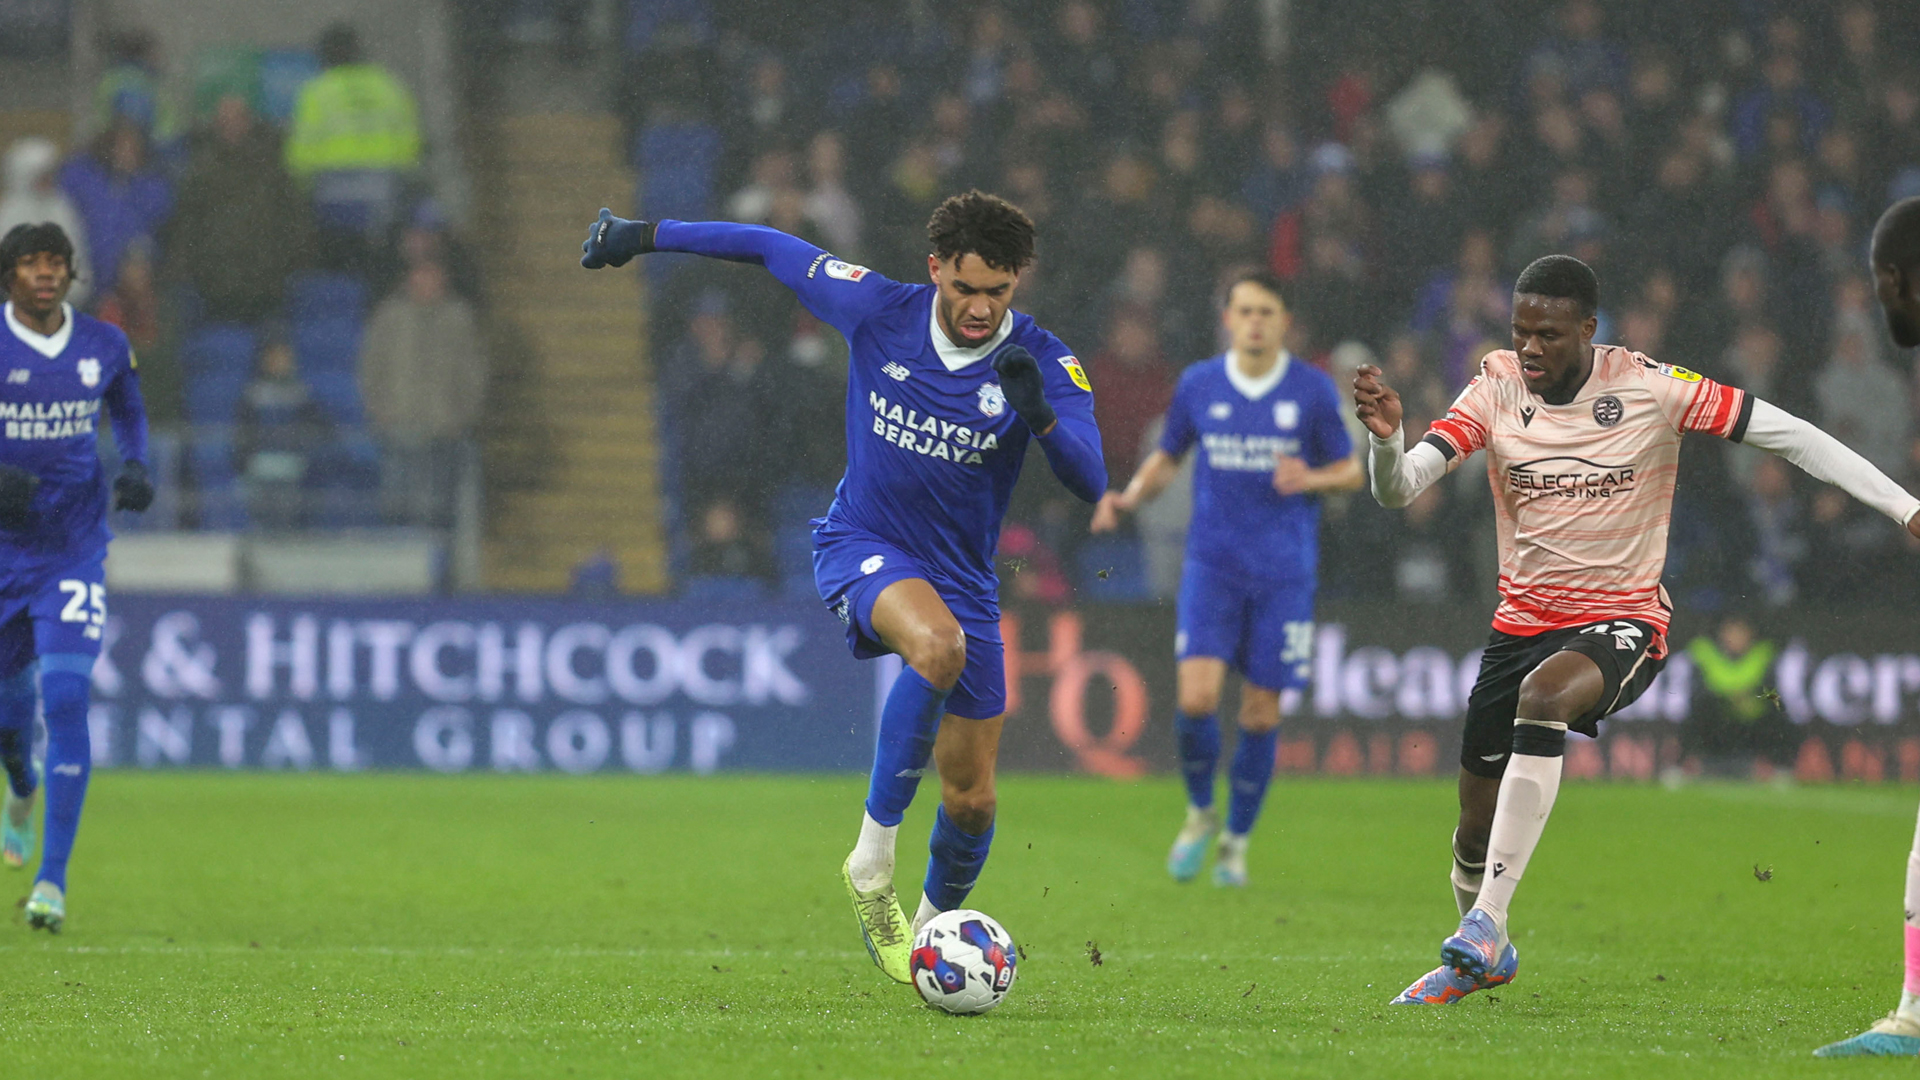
{"type": "Point", "coordinates": [1077, 373]}
{"type": "Point", "coordinates": [844, 271]}
{"type": "Point", "coordinates": [1675, 371]}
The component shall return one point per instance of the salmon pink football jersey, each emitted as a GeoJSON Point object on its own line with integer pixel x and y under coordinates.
{"type": "Point", "coordinates": [1584, 491]}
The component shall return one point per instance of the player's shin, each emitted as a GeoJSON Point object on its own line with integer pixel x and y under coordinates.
{"type": "Point", "coordinates": [954, 860]}
{"type": "Point", "coordinates": [1527, 792]}
{"type": "Point", "coordinates": [1199, 741]}
{"type": "Point", "coordinates": [1249, 776]}
{"type": "Point", "coordinates": [1467, 878]}
{"type": "Point", "coordinates": [64, 683]}
{"type": "Point", "coordinates": [908, 723]}
{"type": "Point", "coordinates": [17, 699]}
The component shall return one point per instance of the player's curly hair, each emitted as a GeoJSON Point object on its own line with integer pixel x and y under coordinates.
{"type": "Point", "coordinates": [23, 240]}
{"type": "Point", "coordinates": [988, 226]}
{"type": "Point", "coordinates": [1564, 277]}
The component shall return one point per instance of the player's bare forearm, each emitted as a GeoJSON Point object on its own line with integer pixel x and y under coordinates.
{"type": "Point", "coordinates": [1150, 480]}
{"type": "Point", "coordinates": [1344, 475]}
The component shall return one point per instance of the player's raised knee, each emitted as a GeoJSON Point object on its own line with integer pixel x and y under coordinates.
{"type": "Point", "coordinates": [938, 653]}
{"type": "Point", "coordinates": [1549, 697]}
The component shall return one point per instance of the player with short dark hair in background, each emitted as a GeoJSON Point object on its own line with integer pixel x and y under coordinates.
{"type": "Point", "coordinates": [60, 368]}
{"type": "Point", "coordinates": [947, 386]}
{"type": "Point", "coordinates": [1583, 443]}
{"type": "Point", "coordinates": [1895, 257]}
{"type": "Point", "coordinates": [1271, 442]}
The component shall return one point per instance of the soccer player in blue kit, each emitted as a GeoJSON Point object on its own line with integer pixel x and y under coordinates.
{"type": "Point", "coordinates": [947, 386]}
{"type": "Point", "coordinates": [61, 367]}
{"type": "Point", "coordinates": [1272, 439]}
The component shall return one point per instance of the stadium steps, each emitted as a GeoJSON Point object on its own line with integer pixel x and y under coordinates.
{"type": "Point", "coordinates": [573, 455]}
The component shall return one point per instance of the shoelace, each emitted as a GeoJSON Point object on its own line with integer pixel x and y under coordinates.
{"type": "Point", "coordinates": [876, 914]}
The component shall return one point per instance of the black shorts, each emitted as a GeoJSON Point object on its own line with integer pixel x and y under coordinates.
{"type": "Point", "coordinates": [1629, 653]}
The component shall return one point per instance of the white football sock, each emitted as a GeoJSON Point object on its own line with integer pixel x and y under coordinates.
{"type": "Point", "coordinates": [871, 864]}
{"type": "Point", "coordinates": [1466, 882]}
{"type": "Point", "coordinates": [1910, 994]}
{"type": "Point", "coordinates": [920, 917]}
{"type": "Point", "coordinates": [1526, 798]}
{"type": "Point", "coordinates": [1233, 845]}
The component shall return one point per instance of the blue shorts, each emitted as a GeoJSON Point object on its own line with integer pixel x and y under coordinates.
{"type": "Point", "coordinates": [1262, 629]}
{"type": "Point", "coordinates": [851, 569]}
{"type": "Point", "coordinates": [64, 611]}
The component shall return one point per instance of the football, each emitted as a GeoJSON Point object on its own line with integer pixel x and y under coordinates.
{"type": "Point", "coordinates": [963, 962]}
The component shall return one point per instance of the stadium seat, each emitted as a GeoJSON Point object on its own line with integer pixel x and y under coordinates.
{"type": "Point", "coordinates": [722, 590]}
{"type": "Point", "coordinates": [328, 313]}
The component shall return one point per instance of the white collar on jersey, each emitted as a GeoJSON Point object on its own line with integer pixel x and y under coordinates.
{"type": "Point", "coordinates": [955, 357]}
{"type": "Point", "coordinates": [46, 346]}
{"type": "Point", "coordinates": [1254, 389]}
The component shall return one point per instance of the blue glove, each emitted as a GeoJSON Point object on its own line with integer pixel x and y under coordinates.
{"type": "Point", "coordinates": [1020, 380]}
{"type": "Point", "coordinates": [612, 241]}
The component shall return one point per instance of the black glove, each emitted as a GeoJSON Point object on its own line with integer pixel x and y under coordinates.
{"type": "Point", "coordinates": [1026, 391]}
{"type": "Point", "coordinates": [17, 486]}
{"type": "Point", "coordinates": [612, 241]}
{"type": "Point", "coordinates": [131, 489]}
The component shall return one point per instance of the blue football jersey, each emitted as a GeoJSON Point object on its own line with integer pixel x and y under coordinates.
{"type": "Point", "coordinates": [933, 447]}
{"type": "Point", "coordinates": [52, 391]}
{"type": "Point", "coordinates": [1241, 525]}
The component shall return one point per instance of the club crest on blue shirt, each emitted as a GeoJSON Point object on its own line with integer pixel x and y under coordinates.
{"type": "Point", "coordinates": [1286, 415]}
{"type": "Point", "coordinates": [993, 400]}
{"type": "Point", "coordinates": [89, 372]}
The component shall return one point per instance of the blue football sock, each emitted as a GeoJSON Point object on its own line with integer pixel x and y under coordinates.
{"type": "Point", "coordinates": [1251, 771]}
{"type": "Point", "coordinates": [1199, 738]}
{"type": "Point", "coordinates": [954, 861]}
{"type": "Point", "coordinates": [17, 699]}
{"type": "Point", "coordinates": [908, 723]}
{"type": "Point", "coordinates": [69, 759]}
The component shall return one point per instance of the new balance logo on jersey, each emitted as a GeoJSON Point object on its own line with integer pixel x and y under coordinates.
{"type": "Point", "coordinates": [18, 376]}
{"type": "Point", "coordinates": [1219, 410]}
{"type": "Point", "coordinates": [895, 371]}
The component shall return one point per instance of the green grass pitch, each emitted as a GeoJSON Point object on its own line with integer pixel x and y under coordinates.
{"type": "Point", "coordinates": [386, 926]}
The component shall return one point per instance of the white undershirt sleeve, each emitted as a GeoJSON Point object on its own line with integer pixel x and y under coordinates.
{"type": "Point", "coordinates": [1824, 457]}
{"type": "Point", "coordinates": [1400, 475]}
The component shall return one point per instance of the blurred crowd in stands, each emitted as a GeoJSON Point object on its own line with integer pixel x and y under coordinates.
{"type": "Point", "coordinates": [312, 355]}
{"type": "Point", "coordinates": [1719, 162]}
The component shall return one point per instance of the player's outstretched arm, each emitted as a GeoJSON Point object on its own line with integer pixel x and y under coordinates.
{"type": "Point", "coordinates": [1068, 436]}
{"type": "Point", "coordinates": [1148, 482]}
{"type": "Point", "coordinates": [1399, 475]}
{"type": "Point", "coordinates": [1826, 458]}
{"type": "Point", "coordinates": [127, 412]}
{"type": "Point", "coordinates": [834, 292]}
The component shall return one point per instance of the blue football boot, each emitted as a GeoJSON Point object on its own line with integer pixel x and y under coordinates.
{"type": "Point", "coordinates": [16, 825]}
{"type": "Point", "coordinates": [1444, 986]}
{"type": "Point", "coordinates": [1190, 847]}
{"type": "Point", "coordinates": [1890, 1036]}
{"type": "Point", "coordinates": [1474, 949]}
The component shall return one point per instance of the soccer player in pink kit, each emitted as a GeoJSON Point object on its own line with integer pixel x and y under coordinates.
{"type": "Point", "coordinates": [1583, 443]}
{"type": "Point", "coordinates": [1896, 276]}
